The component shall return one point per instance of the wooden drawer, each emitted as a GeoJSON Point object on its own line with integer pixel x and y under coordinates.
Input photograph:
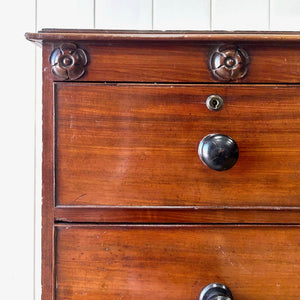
{"type": "Point", "coordinates": [176, 262]}
{"type": "Point", "coordinates": [136, 145]}
{"type": "Point", "coordinates": [187, 62]}
{"type": "Point", "coordinates": [181, 61]}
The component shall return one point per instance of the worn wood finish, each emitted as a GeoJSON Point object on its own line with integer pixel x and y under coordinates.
{"type": "Point", "coordinates": [136, 145]}
{"type": "Point", "coordinates": [171, 215]}
{"type": "Point", "coordinates": [127, 153]}
{"type": "Point", "coordinates": [176, 262]}
{"type": "Point", "coordinates": [145, 61]}
{"type": "Point", "coordinates": [54, 35]}
{"type": "Point", "coordinates": [48, 184]}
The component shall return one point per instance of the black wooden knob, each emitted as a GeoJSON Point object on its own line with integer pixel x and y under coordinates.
{"type": "Point", "coordinates": [216, 291]}
{"type": "Point", "coordinates": [218, 151]}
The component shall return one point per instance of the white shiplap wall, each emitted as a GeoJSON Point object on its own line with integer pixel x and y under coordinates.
{"type": "Point", "coordinates": [20, 113]}
{"type": "Point", "coordinates": [17, 151]}
{"type": "Point", "coordinates": [170, 14]}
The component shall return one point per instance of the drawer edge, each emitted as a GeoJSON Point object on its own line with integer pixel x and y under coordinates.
{"type": "Point", "coordinates": [183, 215]}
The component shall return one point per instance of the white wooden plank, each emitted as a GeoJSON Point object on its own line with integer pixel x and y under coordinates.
{"type": "Point", "coordinates": [240, 15]}
{"type": "Point", "coordinates": [181, 15]}
{"type": "Point", "coordinates": [123, 14]}
{"type": "Point", "coordinates": [17, 150]}
{"type": "Point", "coordinates": [78, 14]}
{"type": "Point", "coordinates": [285, 15]}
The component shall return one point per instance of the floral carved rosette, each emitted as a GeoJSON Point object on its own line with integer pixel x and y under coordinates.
{"type": "Point", "coordinates": [229, 63]}
{"type": "Point", "coordinates": [68, 62]}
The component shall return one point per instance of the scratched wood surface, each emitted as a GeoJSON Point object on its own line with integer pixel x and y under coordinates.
{"type": "Point", "coordinates": [176, 262]}
{"type": "Point", "coordinates": [93, 167]}
{"type": "Point", "coordinates": [136, 145]}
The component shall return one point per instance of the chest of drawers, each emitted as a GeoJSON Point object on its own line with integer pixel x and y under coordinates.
{"type": "Point", "coordinates": [171, 161]}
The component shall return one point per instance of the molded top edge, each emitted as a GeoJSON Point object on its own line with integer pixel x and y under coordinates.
{"type": "Point", "coordinates": [150, 35]}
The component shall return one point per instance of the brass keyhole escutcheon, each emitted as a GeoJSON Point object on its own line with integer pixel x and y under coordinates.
{"type": "Point", "coordinates": [214, 102]}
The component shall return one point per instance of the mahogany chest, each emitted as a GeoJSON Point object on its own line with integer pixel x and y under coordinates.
{"type": "Point", "coordinates": [171, 165]}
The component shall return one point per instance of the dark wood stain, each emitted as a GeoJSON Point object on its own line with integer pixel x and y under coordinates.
{"type": "Point", "coordinates": [136, 145]}
{"type": "Point", "coordinates": [120, 146]}
{"type": "Point", "coordinates": [177, 262]}
{"type": "Point", "coordinates": [48, 273]}
{"type": "Point", "coordinates": [163, 61]}
{"type": "Point", "coordinates": [175, 215]}
{"type": "Point", "coordinates": [54, 35]}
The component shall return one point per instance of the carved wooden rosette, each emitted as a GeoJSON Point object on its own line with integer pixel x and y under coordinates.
{"type": "Point", "coordinates": [229, 63]}
{"type": "Point", "coordinates": [68, 62]}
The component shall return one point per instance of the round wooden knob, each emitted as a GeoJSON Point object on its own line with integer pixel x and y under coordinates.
{"type": "Point", "coordinates": [218, 151]}
{"type": "Point", "coordinates": [216, 291]}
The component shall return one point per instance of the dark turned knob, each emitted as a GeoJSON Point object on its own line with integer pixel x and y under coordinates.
{"type": "Point", "coordinates": [216, 291]}
{"type": "Point", "coordinates": [218, 151]}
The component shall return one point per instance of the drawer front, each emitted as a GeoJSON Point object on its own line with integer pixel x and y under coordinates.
{"type": "Point", "coordinates": [176, 262]}
{"type": "Point", "coordinates": [180, 62]}
{"type": "Point", "coordinates": [136, 145]}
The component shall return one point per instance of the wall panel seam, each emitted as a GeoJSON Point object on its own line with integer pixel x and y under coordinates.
{"type": "Point", "coordinates": [152, 25]}
{"type": "Point", "coordinates": [94, 14]}
{"type": "Point", "coordinates": [210, 14]}
{"type": "Point", "coordinates": [269, 15]}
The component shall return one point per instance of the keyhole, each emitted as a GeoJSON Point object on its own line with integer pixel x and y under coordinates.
{"type": "Point", "coordinates": [214, 102]}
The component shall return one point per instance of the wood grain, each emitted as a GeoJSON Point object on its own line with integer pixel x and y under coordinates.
{"type": "Point", "coordinates": [48, 179]}
{"type": "Point", "coordinates": [176, 262]}
{"type": "Point", "coordinates": [128, 153]}
{"type": "Point", "coordinates": [182, 214]}
{"type": "Point", "coordinates": [136, 145]}
{"type": "Point", "coordinates": [188, 61]}
{"type": "Point", "coordinates": [53, 35]}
